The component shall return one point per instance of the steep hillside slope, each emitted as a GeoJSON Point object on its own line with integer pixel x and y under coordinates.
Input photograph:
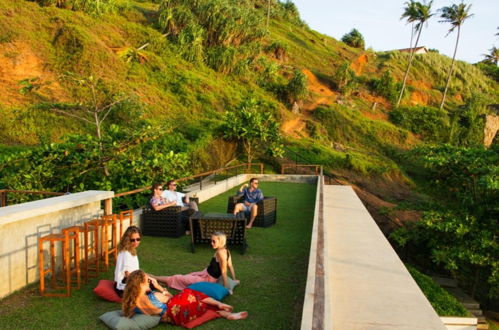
{"type": "Point", "coordinates": [183, 74]}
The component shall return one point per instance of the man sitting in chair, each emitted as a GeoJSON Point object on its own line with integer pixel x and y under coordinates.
{"type": "Point", "coordinates": [175, 198]}
{"type": "Point", "coordinates": [251, 196]}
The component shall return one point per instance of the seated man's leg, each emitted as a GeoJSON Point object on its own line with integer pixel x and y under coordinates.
{"type": "Point", "coordinates": [238, 208]}
{"type": "Point", "coordinates": [193, 206]}
{"type": "Point", "coordinates": [254, 211]}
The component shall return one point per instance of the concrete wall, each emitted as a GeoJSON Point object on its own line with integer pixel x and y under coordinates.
{"type": "Point", "coordinates": [21, 225]}
{"type": "Point", "coordinates": [355, 279]}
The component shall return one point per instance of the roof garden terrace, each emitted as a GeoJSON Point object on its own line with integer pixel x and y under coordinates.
{"type": "Point", "coordinates": [323, 265]}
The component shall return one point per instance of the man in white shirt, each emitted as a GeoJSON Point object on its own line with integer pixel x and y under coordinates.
{"type": "Point", "coordinates": [178, 199]}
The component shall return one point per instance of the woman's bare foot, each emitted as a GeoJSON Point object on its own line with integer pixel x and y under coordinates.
{"type": "Point", "coordinates": [237, 316]}
{"type": "Point", "coordinates": [248, 227]}
{"type": "Point", "coordinates": [225, 307]}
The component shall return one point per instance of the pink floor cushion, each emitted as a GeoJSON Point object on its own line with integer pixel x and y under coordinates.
{"type": "Point", "coordinates": [208, 316]}
{"type": "Point", "coordinates": [105, 290]}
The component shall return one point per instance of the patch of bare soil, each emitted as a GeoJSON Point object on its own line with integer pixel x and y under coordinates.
{"type": "Point", "coordinates": [17, 62]}
{"type": "Point", "coordinates": [359, 64]}
{"type": "Point", "coordinates": [320, 94]}
{"type": "Point", "coordinates": [419, 98]}
{"type": "Point", "coordinates": [294, 127]}
{"type": "Point", "coordinates": [372, 191]}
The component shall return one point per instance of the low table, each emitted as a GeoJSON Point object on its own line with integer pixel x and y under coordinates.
{"type": "Point", "coordinates": [204, 225]}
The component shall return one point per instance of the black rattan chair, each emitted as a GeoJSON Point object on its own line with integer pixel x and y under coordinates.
{"type": "Point", "coordinates": [204, 225]}
{"type": "Point", "coordinates": [169, 222]}
{"type": "Point", "coordinates": [267, 210]}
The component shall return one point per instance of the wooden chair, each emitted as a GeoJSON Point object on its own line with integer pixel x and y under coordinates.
{"type": "Point", "coordinates": [109, 240]}
{"type": "Point", "coordinates": [125, 215]}
{"type": "Point", "coordinates": [74, 258]}
{"type": "Point", "coordinates": [65, 239]}
{"type": "Point", "coordinates": [267, 210]}
{"type": "Point", "coordinates": [91, 227]}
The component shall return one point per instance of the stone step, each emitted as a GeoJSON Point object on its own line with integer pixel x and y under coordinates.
{"type": "Point", "coordinates": [476, 312]}
{"type": "Point", "coordinates": [482, 326]}
{"type": "Point", "coordinates": [445, 281]}
{"type": "Point", "coordinates": [461, 296]}
{"type": "Point", "coordinates": [470, 305]}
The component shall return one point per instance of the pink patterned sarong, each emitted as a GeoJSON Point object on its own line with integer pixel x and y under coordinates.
{"type": "Point", "coordinates": [180, 282]}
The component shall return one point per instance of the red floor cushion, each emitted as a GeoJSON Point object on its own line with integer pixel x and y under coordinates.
{"type": "Point", "coordinates": [208, 316]}
{"type": "Point", "coordinates": [105, 290]}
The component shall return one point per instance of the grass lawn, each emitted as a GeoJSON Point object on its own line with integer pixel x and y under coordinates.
{"type": "Point", "coordinates": [272, 272]}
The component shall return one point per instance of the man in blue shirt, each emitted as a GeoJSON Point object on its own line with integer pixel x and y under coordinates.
{"type": "Point", "coordinates": [251, 196]}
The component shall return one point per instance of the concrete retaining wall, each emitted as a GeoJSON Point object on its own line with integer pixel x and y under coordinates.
{"type": "Point", "coordinates": [21, 225]}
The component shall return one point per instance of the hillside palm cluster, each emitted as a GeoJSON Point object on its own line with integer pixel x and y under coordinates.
{"type": "Point", "coordinates": [116, 94]}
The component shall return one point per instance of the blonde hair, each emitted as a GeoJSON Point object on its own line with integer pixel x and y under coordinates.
{"type": "Point", "coordinates": [222, 239]}
{"type": "Point", "coordinates": [125, 243]}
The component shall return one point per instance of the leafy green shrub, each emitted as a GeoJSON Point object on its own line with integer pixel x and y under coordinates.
{"type": "Point", "coordinates": [385, 86]}
{"type": "Point", "coordinates": [442, 301]}
{"type": "Point", "coordinates": [431, 123]}
{"type": "Point", "coordinates": [467, 127]}
{"type": "Point", "coordinates": [354, 39]}
{"type": "Point", "coordinates": [254, 126]}
{"type": "Point", "coordinates": [279, 49]}
{"type": "Point", "coordinates": [460, 232]}
{"type": "Point", "coordinates": [297, 87]}
{"type": "Point", "coordinates": [491, 70]}
{"type": "Point", "coordinates": [345, 78]}
{"type": "Point", "coordinates": [133, 158]}
{"type": "Point", "coordinates": [222, 58]}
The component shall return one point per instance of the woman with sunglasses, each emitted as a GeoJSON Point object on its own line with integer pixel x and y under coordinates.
{"type": "Point", "coordinates": [127, 260]}
{"type": "Point", "coordinates": [216, 269]}
{"type": "Point", "coordinates": [157, 201]}
{"type": "Point", "coordinates": [179, 309]}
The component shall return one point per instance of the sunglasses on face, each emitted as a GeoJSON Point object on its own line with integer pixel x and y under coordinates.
{"type": "Point", "coordinates": [173, 184]}
{"type": "Point", "coordinates": [134, 240]}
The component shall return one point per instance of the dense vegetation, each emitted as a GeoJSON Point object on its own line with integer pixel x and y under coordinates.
{"type": "Point", "coordinates": [114, 94]}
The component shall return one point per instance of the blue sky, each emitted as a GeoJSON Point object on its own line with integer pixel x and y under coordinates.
{"type": "Point", "coordinates": [380, 24]}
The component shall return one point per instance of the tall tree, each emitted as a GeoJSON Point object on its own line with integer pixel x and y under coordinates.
{"type": "Point", "coordinates": [455, 15]}
{"type": "Point", "coordinates": [418, 13]}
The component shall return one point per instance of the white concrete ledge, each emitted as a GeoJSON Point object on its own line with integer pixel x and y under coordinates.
{"type": "Point", "coordinates": [33, 209]}
{"type": "Point", "coordinates": [367, 284]}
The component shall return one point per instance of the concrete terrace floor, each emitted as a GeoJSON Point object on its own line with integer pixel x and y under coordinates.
{"type": "Point", "coordinates": [272, 272]}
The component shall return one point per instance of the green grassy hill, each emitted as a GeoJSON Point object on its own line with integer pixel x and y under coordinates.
{"type": "Point", "coordinates": [181, 68]}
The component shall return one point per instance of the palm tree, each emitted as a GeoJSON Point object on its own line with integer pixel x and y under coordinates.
{"type": "Point", "coordinates": [493, 57]}
{"type": "Point", "coordinates": [455, 15]}
{"type": "Point", "coordinates": [419, 13]}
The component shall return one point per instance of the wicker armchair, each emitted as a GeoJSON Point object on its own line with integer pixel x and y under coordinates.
{"type": "Point", "coordinates": [267, 210]}
{"type": "Point", "coordinates": [168, 222]}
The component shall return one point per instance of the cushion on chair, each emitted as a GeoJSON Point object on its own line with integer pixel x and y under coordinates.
{"type": "Point", "coordinates": [214, 290]}
{"type": "Point", "coordinates": [105, 290]}
{"type": "Point", "coordinates": [116, 320]}
{"type": "Point", "coordinates": [232, 284]}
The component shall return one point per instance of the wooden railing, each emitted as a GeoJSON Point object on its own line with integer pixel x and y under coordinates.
{"type": "Point", "coordinates": [5, 192]}
{"type": "Point", "coordinates": [300, 166]}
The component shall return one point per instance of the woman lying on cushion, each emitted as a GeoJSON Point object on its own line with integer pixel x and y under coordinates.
{"type": "Point", "coordinates": [217, 267]}
{"type": "Point", "coordinates": [179, 309]}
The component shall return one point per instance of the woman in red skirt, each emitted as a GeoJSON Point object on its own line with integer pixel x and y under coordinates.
{"type": "Point", "coordinates": [179, 309]}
